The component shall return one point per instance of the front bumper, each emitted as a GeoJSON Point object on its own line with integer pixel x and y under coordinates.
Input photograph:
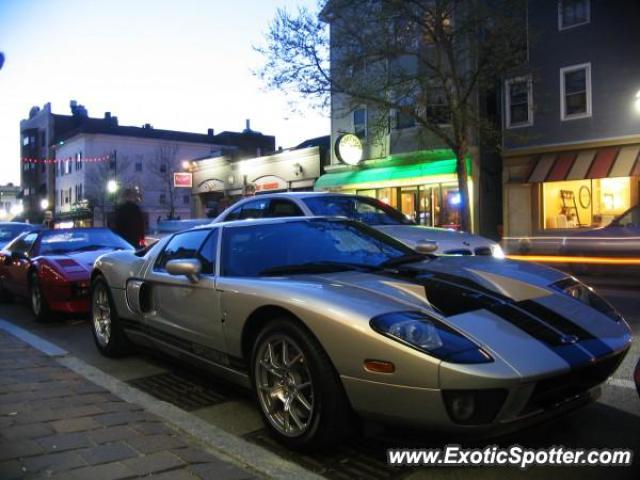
{"type": "Point", "coordinates": [526, 402]}
{"type": "Point", "coordinates": [69, 297]}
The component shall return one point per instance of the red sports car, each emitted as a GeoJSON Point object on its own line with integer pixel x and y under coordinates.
{"type": "Point", "coordinates": [53, 267]}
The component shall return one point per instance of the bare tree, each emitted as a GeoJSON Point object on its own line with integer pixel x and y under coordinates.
{"type": "Point", "coordinates": [163, 167]}
{"type": "Point", "coordinates": [421, 62]}
{"type": "Point", "coordinates": [96, 180]}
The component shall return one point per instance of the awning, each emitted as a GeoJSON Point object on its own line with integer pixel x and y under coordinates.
{"type": "Point", "coordinates": [388, 173]}
{"type": "Point", "coordinates": [587, 164]}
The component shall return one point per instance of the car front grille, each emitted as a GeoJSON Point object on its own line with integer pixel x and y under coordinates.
{"type": "Point", "coordinates": [555, 390]}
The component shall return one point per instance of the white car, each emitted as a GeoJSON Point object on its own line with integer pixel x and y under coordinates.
{"type": "Point", "coordinates": [367, 210]}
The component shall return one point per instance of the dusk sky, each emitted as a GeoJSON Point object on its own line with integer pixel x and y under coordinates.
{"type": "Point", "coordinates": [180, 65]}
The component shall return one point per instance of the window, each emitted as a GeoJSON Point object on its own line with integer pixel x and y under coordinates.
{"type": "Point", "coordinates": [367, 210]}
{"type": "Point", "coordinates": [24, 244]}
{"type": "Point", "coordinates": [405, 34]}
{"type": "Point", "coordinates": [183, 245]}
{"type": "Point", "coordinates": [575, 92]}
{"type": "Point", "coordinates": [631, 219]}
{"type": "Point", "coordinates": [519, 102]}
{"type": "Point", "coordinates": [283, 208]}
{"type": "Point", "coordinates": [79, 161]}
{"type": "Point", "coordinates": [437, 106]}
{"type": "Point", "coordinates": [573, 13]}
{"type": "Point", "coordinates": [163, 198]}
{"type": "Point", "coordinates": [208, 253]}
{"type": "Point", "coordinates": [360, 122]}
{"type": "Point", "coordinates": [404, 117]}
{"type": "Point", "coordinates": [79, 194]}
{"type": "Point", "coordinates": [25, 140]}
{"type": "Point", "coordinates": [138, 166]}
{"type": "Point", "coordinates": [163, 168]}
{"type": "Point", "coordinates": [252, 209]}
{"type": "Point", "coordinates": [186, 199]}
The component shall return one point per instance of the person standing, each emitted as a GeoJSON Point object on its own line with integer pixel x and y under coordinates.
{"type": "Point", "coordinates": [129, 219]}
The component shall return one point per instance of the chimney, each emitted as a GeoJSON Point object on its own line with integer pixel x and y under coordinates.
{"type": "Point", "coordinates": [248, 124]}
{"type": "Point", "coordinates": [148, 126]}
{"type": "Point", "coordinates": [107, 115]}
{"type": "Point", "coordinates": [210, 132]}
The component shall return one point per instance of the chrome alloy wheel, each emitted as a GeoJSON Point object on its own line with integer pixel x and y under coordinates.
{"type": "Point", "coordinates": [284, 385]}
{"type": "Point", "coordinates": [36, 298]}
{"type": "Point", "coordinates": [101, 312]}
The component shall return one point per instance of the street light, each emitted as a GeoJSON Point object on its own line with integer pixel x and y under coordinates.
{"type": "Point", "coordinates": [44, 204]}
{"type": "Point", "coordinates": [637, 102]}
{"type": "Point", "coordinates": [186, 165]}
{"type": "Point", "coordinates": [112, 186]}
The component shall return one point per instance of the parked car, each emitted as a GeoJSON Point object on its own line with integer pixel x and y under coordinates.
{"type": "Point", "coordinates": [10, 230]}
{"type": "Point", "coordinates": [327, 317]}
{"type": "Point", "coordinates": [636, 376]}
{"type": "Point", "coordinates": [52, 268]}
{"type": "Point", "coordinates": [365, 209]}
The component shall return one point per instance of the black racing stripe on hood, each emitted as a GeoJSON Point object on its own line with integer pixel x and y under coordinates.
{"type": "Point", "coordinates": [453, 300]}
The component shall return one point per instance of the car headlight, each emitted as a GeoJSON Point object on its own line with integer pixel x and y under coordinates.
{"type": "Point", "coordinates": [424, 333]}
{"type": "Point", "coordinates": [585, 294]}
{"type": "Point", "coordinates": [497, 252]}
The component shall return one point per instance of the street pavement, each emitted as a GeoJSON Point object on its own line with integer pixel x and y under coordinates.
{"type": "Point", "coordinates": [56, 424]}
{"type": "Point", "coordinates": [614, 421]}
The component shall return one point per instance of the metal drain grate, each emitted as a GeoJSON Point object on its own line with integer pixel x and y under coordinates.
{"type": "Point", "coordinates": [358, 459]}
{"type": "Point", "coordinates": [181, 389]}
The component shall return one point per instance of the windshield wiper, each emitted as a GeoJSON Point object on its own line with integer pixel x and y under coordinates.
{"type": "Point", "coordinates": [317, 267]}
{"type": "Point", "coordinates": [408, 258]}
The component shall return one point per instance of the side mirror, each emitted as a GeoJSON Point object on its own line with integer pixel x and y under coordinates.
{"type": "Point", "coordinates": [17, 256]}
{"type": "Point", "coordinates": [426, 246]}
{"type": "Point", "coordinates": [189, 267]}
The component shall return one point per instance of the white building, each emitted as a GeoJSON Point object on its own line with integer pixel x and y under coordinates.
{"type": "Point", "coordinates": [10, 205]}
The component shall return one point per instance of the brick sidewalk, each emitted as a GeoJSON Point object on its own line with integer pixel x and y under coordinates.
{"type": "Point", "coordinates": [56, 424]}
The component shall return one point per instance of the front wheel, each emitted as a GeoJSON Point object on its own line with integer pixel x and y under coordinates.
{"type": "Point", "coordinates": [39, 305]}
{"type": "Point", "coordinates": [105, 324]}
{"type": "Point", "coordinates": [299, 393]}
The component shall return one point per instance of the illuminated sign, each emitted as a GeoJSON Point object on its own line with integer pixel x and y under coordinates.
{"type": "Point", "coordinates": [349, 149]}
{"type": "Point", "coordinates": [182, 179]}
{"type": "Point", "coordinates": [270, 183]}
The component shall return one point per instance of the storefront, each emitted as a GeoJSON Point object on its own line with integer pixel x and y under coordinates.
{"type": "Point", "coordinates": [220, 181]}
{"type": "Point", "coordinates": [423, 185]}
{"type": "Point", "coordinates": [570, 190]}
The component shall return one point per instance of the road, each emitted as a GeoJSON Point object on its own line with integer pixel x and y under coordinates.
{"type": "Point", "coordinates": [614, 421]}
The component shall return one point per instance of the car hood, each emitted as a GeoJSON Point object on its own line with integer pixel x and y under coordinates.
{"type": "Point", "coordinates": [509, 308]}
{"type": "Point", "coordinates": [447, 239]}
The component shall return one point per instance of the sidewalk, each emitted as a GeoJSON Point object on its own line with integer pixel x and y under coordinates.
{"type": "Point", "coordinates": [56, 424]}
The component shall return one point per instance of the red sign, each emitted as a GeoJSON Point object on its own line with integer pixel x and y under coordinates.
{"type": "Point", "coordinates": [182, 179]}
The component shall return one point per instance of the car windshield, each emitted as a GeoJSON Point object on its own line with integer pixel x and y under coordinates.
{"type": "Point", "coordinates": [9, 232]}
{"type": "Point", "coordinates": [363, 209]}
{"type": "Point", "coordinates": [64, 241]}
{"type": "Point", "coordinates": [309, 246]}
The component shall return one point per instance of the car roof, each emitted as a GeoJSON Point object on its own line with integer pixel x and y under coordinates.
{"type": "Point", "coordinates": [268, 221]}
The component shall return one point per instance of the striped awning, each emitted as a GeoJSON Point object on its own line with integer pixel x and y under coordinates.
{"type": "Point", "coordinates": [587, 164]}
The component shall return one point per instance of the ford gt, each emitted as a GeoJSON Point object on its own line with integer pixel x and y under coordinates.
{"type": "Point", "coordinates": [329, 320]}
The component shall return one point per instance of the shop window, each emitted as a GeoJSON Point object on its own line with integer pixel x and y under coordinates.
{"type": "Point", "coordinates": [519, 102]}
{"type": "Point", "coordinates": [585, 203]}
{"type": "Point", "coordinates": [360, 122]}
{"type": "Point", "coordinates": [573, 13]}
{"type": "Point", "coordinates": [575, 91]}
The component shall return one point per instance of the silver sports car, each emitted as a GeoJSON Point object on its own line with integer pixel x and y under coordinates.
{"type": "Point", "coordinates": [329, 319]}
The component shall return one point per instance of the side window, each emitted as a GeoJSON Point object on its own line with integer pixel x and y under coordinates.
{"type": "Point", "coordinates": [279, 207]}
{"type": "Point", "coordinates": [631, 219]}
{"type": "Point", "coordinates": [207, 254]}
{"type": "Point", "coordinates": [253, 209]}
{"type": "Point", "coordinates": [24, 244]}
{"type": "Point", "coordinates": [182, 245]}
{"type": "Point", "coordinates": [233, 214]}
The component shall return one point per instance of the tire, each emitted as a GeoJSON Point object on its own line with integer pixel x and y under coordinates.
{"type": "Point", "coordinates": [318, 415]}
{"type": "Point", "coordinates": [106, 328]}
{"type": "Point", "coordinates": [37, 300]}
{"type": "Point", "coordinates": [5, 295]}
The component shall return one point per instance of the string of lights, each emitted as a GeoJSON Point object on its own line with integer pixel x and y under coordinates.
{"type": "Point", "coordinates": [103, 158]}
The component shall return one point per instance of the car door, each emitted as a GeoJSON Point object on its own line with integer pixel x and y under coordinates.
{"type": "Point", "coordinates": [184, 313]}
{"type": "Point", "coordinates": [15, 265]}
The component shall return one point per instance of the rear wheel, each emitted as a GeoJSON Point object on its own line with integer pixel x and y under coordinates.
{"type": "Point", "coordinates": [105, 323]}
{"type": "Point", "coordinates": [299, 393]}
{"type": "Point", "coordinates": [39, 305]}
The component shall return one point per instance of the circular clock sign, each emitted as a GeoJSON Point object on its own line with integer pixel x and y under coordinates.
{"type": "Point", "coordinates": [349, 149]}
